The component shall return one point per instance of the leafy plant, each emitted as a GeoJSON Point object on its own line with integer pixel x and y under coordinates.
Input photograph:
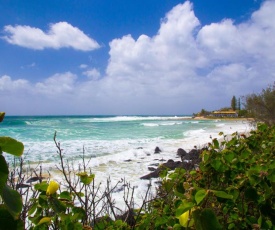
{"type": "Point", "coordinates": [11, 206]}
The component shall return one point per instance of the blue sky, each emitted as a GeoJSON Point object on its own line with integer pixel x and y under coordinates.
{"type": "Point", "coordinates": [133, 57]}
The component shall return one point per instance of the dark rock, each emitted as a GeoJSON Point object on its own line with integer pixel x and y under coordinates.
{"type": "Point", "coordinates": [170, 164]}
{"type": "Point", "coordinates": [181, 152]}
{"type": "Point", "coordinates": [157, 150]}
{"type": "Point", "coordinates": [154, 164]}
{"type": "Point", "coordinates": [154, 174]}
{"type": "Point", "coordinates": [189, 162]}
{"type": "Point", "coordinates": [151, 169]}
{"type": "Point", "coordinates": [128, 160]}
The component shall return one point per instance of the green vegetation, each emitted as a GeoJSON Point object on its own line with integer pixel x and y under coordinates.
{"type": "Point", "coordinates": [262, 106]}
{"type": "Point", "coordinates": [234, 103]}
{"type": "Point", "coordinates": [11, 206]}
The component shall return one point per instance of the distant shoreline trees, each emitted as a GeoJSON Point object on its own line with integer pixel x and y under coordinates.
{"type": "Point", "coordinates": [259, 106]}
{"type": "Point", "coordinates": [262, 106]}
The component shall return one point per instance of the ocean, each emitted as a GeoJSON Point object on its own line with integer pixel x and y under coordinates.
{"type": "Point", "coordinates": [115, 146]}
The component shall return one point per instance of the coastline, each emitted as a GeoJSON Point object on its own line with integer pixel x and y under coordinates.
{"type": "Point", "coordinates": [224, 118]}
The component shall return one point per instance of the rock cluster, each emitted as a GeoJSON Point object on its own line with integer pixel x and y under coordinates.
{"type": "Point", "coordinates": [189, 160]}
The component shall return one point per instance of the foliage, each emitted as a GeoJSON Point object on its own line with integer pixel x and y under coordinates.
{"type": "Point", "coordinates": [233, 188]}
{"type": "Point", "coordinates": [233, 103]}
{"type": "Point", "coordinates": [262, 106]}
{"type": "Point", "coordinates": [11, 206]}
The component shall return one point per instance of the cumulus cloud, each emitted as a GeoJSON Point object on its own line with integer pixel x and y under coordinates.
{"type": "Point", "coordinates": [193, 63]}
{"type": "Point", "coordinates": [92, 74]}
{"type": "Point", "coordinates": [182, 68]}
{"type": "Point", "coordinates": [58, 84]}
{"type": "Point", "coordinates": [59, 35]}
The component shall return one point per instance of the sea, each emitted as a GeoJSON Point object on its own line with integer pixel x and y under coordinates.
{"type": "Point", "coordinates": [114, 147]}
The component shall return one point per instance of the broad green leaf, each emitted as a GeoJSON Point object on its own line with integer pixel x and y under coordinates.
{"type": "Point", "coordinates": [12, 200]}
{"type": "Point", "coordinates": [65, 195]}
{"type": "Point", "coordinates": [216, 143]}
{"type": "Point", "coordinates": [41, 186]}
{"type": "Point", "coordinates": [251, 194]}
{"type": "Point", "coordinates": [4, 172]}
{"type": "Point", "coordinates": [85, 179]}
{"type": "Point", "coordinates": [11, 146]}
{"type": "Point", "coordinates": [200, 195]}
{"type": "Point", "coordinates": [209, 220]}
{"type": "Point", "coordinates": [185, 220]}
{"type": "Point", "coordinates": [271, 175]}
{"type": "Point", "coordinates": [57, 205]}
{"type": "Point", "coordinates": [216, 164]}
{"type": "Point", "coordinates": [80, 211]}
{"type": "Point", "coordinates": [33, 208]}
{"type": "Point", "coordinates": [222, 194]}
{"type": "Point", "coordinates": [2, 115]}
{"type": "Point", "coordinates": [7, 221]}
{"type": "Point", "coordinates": [185, 206]}
{"type": "Point", "coordinates": [229, 156]}
{"type": "Point", "coordinates": [44, 220]}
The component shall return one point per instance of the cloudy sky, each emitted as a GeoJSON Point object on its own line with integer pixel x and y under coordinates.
{"type": "Point", "coordinates": [162, 57]}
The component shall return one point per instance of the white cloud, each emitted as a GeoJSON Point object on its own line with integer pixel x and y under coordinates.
{"type": "Point", "coordinates": [83, 66]}
{"type": "Point", "coordinates": [183, 68]}
{"type": "Point", "coordinates": [60, 35]}
{"type": "Point", "coordinates": [92, 74]}
{"type": "Point", "coordinates": [7, 84]}
{"type": "Point", "coordinates": [58, 84]}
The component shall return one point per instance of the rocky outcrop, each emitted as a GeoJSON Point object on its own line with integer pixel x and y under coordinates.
{"type": "Point", "coordinates": [189, 161]}
{"type": "Point", "coordinates": [157, 150]}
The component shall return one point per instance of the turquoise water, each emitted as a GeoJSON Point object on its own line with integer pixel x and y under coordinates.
{"type": "Point", "coordinates": [113, 146]}
{"type": "Point", "coordinates": [110, 135]}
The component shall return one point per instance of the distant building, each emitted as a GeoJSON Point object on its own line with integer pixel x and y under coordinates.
{"type": "Point", "coordinates": [224, 114]}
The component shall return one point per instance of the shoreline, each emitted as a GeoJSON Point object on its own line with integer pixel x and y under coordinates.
{"type": "Point", "coordinates": [224, 118]}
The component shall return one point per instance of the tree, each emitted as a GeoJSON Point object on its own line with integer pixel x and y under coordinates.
{"type": "Point", "coordinates": [262, 106]}
{"type": "Point", "coordinates": [239, 103]}
{"type": "Point", "coordinates": [233, 103]}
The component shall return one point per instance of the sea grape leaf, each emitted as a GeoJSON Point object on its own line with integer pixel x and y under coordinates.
{"type": "Point", "coordinates": [216, 164]}
{"type": "Point", "coordinates": [65, 195]}
{"type": "Point", "coordinates": [44, 220]}
{"type": "Point", "coordinates": [57, 205]}
{"type": "Point", "coordinates": [7, 221]}
{"type": "Point", "coordinates": [251, 194]}
{"type": "Point", "coordinates": [41, 186]}
{"type": "Point", "coordinates": [206, 220]}
{"type": "Point", "coordinates": [4, 172]}
{"type": "Point", "coordinates": [216, 143]}
{"type": "Point", "coordinates": [185, 206]}
{"type": "Point", "coordinates": [184, 219]}
{"type": "Point", "coordinates": [209, 220]}
{"type": "Point", "coordinates": [2, 115]}
{"type": "Point", "coordinates": [11, 146]}
{"type": "Point", "coordinates": [200, 195]}
{"type": "Point", "coordinates": [229, 156]}
{"type": "Point", "coordinates": [85, 178]}
{"type": "Point", "coordinates": [12, 200]}
{"type": "Point", "coordinates": [222, 194]}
